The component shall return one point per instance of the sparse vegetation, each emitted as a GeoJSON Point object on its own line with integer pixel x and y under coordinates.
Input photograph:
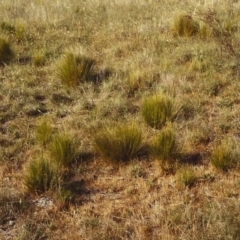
{"type": "Point", "coordinates": [163, 75]}
{"type": "Point", "coordinates": [120, 143]}
{"type": "Point", "coordinates": [157, 110]}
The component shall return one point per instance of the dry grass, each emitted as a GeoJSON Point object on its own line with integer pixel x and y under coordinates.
{"type": "Point", "coordinates": [134, 39]}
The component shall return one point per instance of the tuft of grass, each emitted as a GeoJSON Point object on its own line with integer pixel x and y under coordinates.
{"type": "Point", "coordinates": [73, 69]}
{"type": "Point", "coordinates": [41, 176]}
{"type": "Point", "coordinates": [157, 110]}
{"type": "Point", "coordinates": [224, 156]}
{"type": "Point", "coordinates": [44, 132]}
{"type": "Point", "coordinates": [137, 80]}
{"type": "Point", "coordinates": [6, 51]}
{"type": "Point", "coordinates": [7, 27]}
{"type": "Point", "coordinates": [20, 31]}
{"type": "Point", "coordinates": [185, 26]}
{"type": "Point", "coordinates": [186, 176]}
{"type": "Point", "coordinates": [38, 58]}
{"type": "Point", "coordinates": [63, 149]}
{"type": "Point", "coordinates": [164, 147]}
{"type": "Point", "coordinates": [204, 30]}
{"type": "Point", "coordinates": [120, 143]}
{"type": "Point", "coordinates": [63, 198]}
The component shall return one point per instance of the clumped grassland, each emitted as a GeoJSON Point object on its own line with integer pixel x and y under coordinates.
{"type": "Point", "coordinates": [73, 67]}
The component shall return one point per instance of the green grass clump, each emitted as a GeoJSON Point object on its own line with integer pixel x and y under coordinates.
{"type": "Point", "coordinates": [6, 51]}
{"type": "Point", "coordinates": [185, 26]}
{"type": "Point", "coordinates": [186, 176]}
{"type": "Point", "coordinates": [157, 110]}
{"type": "Point", "coordinates": [164, 147]}
{"type": "Point", "coordinates": [44, 132]}
{"type": "Point", "coordinates": [63, 149]}
{"type": "Point", "coordinates": [73, 69]}
{"type": "Point", "coordinates": [120, 143]}
{"type": "Point", "coordinates": [41, 176]}
{"type": "Point", "coordinates": [225, 155]}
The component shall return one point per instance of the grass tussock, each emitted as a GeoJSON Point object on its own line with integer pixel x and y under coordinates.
{"type": "Point", "coordinates": [6, 51]}
{"type": "Point", "coordinates": [120, 143]}
{"type": "Point", "coordinates": [44, 132]}
{"type": "Point", "coordinates": [63, 149]}
{"type": "Point", "coordinates": [73, 69]}
{"type": "Point", "coordinates": [41, 176]}
{"type": "Point", "coordinates": [164, 147]}
{"type": "Point", "coordinates": [185, 26]}
{"type": "Point", "coordinates": [157, 110]}
{"type": "Point", "coordinates": [38, 58]}
{"type": "Point", "coordinates": [186, 176]}
{"type": "Point", "coordinates": [225, 155]}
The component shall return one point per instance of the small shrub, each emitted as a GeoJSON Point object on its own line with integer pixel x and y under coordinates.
{"type": "Point", "coordinates": [120, 143]}
{"type": "Point", "coordinates": [164, 147]}
{"type": "Point", "coordinates": [41, 176]}
{"type": "Point", "coordinates": [44, 132]}
{"type": "Point", "coordinates": [187, 176]}
{"type": "Point", "coordinates": [63, 149]}
{"type": "Point", "coordinates": [6, 52]}
{"type": "Point", "coordinates": [74, 69]}
{"type": "Point", "coordinates": [184, 25]}
{"type": "Point", "coordinates": [157, 110]}
{"type": "Point", "coordinates": [224, 156]}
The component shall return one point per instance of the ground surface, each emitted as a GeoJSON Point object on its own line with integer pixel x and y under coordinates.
{"type": "Point", "coordinates": [135, 43]}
